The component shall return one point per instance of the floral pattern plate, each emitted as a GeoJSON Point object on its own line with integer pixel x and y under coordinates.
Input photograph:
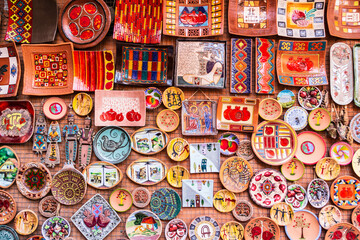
{"type": "Point", "coordinates": [176, 229]}
{"type": "Point", "coordinates": [305, 225]}
{"type": "Point", "coordinates": [355, 217]}
{"type": "Point", "coordinates": [297, 117]}
{"type": "Point", "coordinates": [310, 98]}
{"type": "Point", "coordinates": [355, 128]}
{"type": "Point", "coordinates": [343, 231]}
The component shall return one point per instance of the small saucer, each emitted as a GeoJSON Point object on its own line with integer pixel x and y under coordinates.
{"type": "Point", "coordinates": [318, 193]}
{"type": "Point", "coordinates": [82, 104]}
{"type": "Point", "coordinates": [153, 98]}
{"type": "Point", "coordinates": [282, 213]}
{"type": "Point", "coordinates": [243, 210]}
{"type": "Point", "coordinates": [229, 143]}
{"type": "Point", "coordinates": [26, 222]}
{"type": "Point", "coordinates": [167, 120]}
{"type": "Point", "coordinates": [141, 197]}
{"type": "Point", "coordinates": [55, 108]}
{"type": "Point", "coordinates": [319, 119]}
{"type": "Point", "coordinates": [327, 168]}
{"type": "Point", "coordinates": [178, 149]}
{"type": "Point", "coordinates": [296, 117]}
{"type": "Point", "coordinates": [270, 109]}
{"type": "Point", "coordinates": [286, 98]}
{"type": "Point", "coordinates": [296, 197]}
{"type": "Point", "coordinates": [121, 200]}
{"type": "Point", "coordinates": [342, 152]}
{"type": "Point", "coordinates": [293, 170]}
{"type": "Point", "coordinates": [224, 201]}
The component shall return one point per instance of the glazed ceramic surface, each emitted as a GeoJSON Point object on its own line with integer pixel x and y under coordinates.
{"type": "Point", "coordinates": [178, 149]}
{"type": "Point", "coordinates": [197, 193]}
{"type": "Point", "coordinates": [282, 213]}
{"type": "Point", "coordinates": [286, 98]}
{"type": "Point", "coordinates": [327, 169]}
{"type": "Point", "coordinates": [345, 192]}
{"type": "Point", "coordinates": [146, 171]}
{"type": "Point", "coordinates": [172, 98]}
{"type": "Point", "coordinates": [153, 98]}
{"type": "Point", "coordinates": [342, 152]}
{"type": "Point", "coordinates": [121, 200]}
{"type": "Point", "coordinates": [241, 63]}
{"type": "Point", "coordinates": [311, 147]}
{"type": "Point", "coordinates": [296, 117]}
{"type": "Point", "coordinates": [356, 50]}
{"type": "Point", "coordinates": [167, 120]}
{"type": "Point", "coordinates": [9, 166]}
{"type": "Point", "coordinates": [56, 222]}
{"type": "Point", "coordinates": [319, 119]}
{"type": "Point", "coordinates": [176, 174]}
{"type": "Point", "coordinates": [293, 170]}
{"type": "Point", "coordinates": [342, 230]}
{"type": "Point", "coordinates": [55, 108]}
{"type": "Point", "coordinates": [296, 197]}
{"type": "Point", "coordinates": [141, 197]}
{"type": "Point", "coordinates": [329, 216]}
{"type": "Point", "coordinates": [245, 150]}
{"type": "Point", "coordinates": [224, 200]}
{"type": "Point", "coordinates": [204, 157]}
{"type": "Point", "coordinates": [318, 193]}
{"type": "Point", "coordinates": [243, 210]}
{"type": "Point", "coordinates": [8, 207]}
{"type": "Point", "coordinates": [355, 217]}
{"type": "Point", "coordinates": [176, 229]}
{"type": "Point", "coordinates": [259, 227]}
{"type": "Point", "coordinates": [355, 128]}
{"type": "Point", "coordinates": [82, 104]}
{"type": "Point", "coordinates": [8, 233]}
{"type": "Point", "coordinates": [356, 163]}
{"type": "Point", "coordinates": [229, 143]}
{"type": "Point", "coordinates": [232, 230]}
{"type": "Point", "coordinates": [49, 207]}
{"type": "Point", "coordinates": [149, 140]}
{"type": "Point", "coordinates": [26, 222]}
{"type": "Point", "coordinates": [165, 203]}
{"type": "Point", "coordinates": [205, 228]}
{"type": "Point", "coordinates": [265, 66]}
{"type": "Point", "coordinates": [305, 225]}
{"type": "Point", "coordinates": [142, 224]}
{"type": "Point", "coordinates": [310, 98]}
{"type": "Point", "coordinates": [102, 175]}
{"type": "Point", "coordinates": [270, 109]}
{"type": "Point", "coordinates": [10, 70]}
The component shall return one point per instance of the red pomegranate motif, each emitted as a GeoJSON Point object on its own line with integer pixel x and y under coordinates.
{"type": "Point", "coordinates": [86, 34]}
{"type": "Point", "coordinates": [236, 114]}
{"type": "Point", "coordinates": [300, 64]}
{"type": "Point", "coordinates": [227, 112]}
{"type": "Point", "coordinates": [245, 114]}
{"type": "Point", "coordinates": [193, 18]}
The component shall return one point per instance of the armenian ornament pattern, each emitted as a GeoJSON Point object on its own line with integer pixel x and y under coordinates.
{"type": "Point", "coordinates": [9, 70]}
{"type": "Point", "coordinates": [265, 66]}
{"type": "Point", "coordinates": [241, 74]}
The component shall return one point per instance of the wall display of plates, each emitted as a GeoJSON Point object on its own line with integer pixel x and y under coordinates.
{"type": "Point", "coordinates": [176, 174]}
{"type": "Point", "coordinates": [329, 216]}
{"type": "Point", "coordinates": [356, 53]}
{"type": "Point", "coordinates": [286, 98]}
{"type": "Point", "coordinates": [141, 197]}
{"type": "Point", "coordinates": [26, 222]}
{"type": "Point", "coordinates": [243, 210]}
{"type": "Point", "coordinates": [204, 157]}
{"type": "Point", "coordinates": [7, 232]}
{"type": "Point", "coordinates": [296, 117]}
{"type": "Point", "coordinates": [149, 140]}
{"type": "Point", "coordinates": [342, 152]}
{"type": "Point", "coordinates": [293, 170]}
{"type": "Point", "coordinates": [282, 213]}
{"type": "Point", "coordinates": [9, 166]}
{"type": "Point", "coordinates": [49, 207]}
{"type": "Point", "coordinates": [261, 227]}
{"type": "Point", "coordinates": [176, 229]}
{"type": "Point", "coordinates": [102, 175]}
{"type": "Point", "coordinates": [121, 200]}
{"type": "Point", "coordinates": [310, 98]}
{"type": "Point", "coordinates": [245, 150]}
{"type": "Point", "coordinates": [55, 108]}
{"type": "Point", "coordinates": [311, 147]}
{"type": "Point", "coordinates": [178, 149]}
{"type": "Point", "coordinates": [146, 171]}
{"type": "Point", "coordinates": [167, 120]}
{"type": "Point", "coordinates": [318, 193]}
{"type": "Point", "coordinates": [355, 128]}
{"type": "Point", "coordinates": [355, 217]}
{"type": "Point", "coordinates": [319, 119]}
{"type": "Point", "coordinates": [165, 203]}
{"type": "Point", "coordinates": [147, 221]}
{"type": "Point", "coordinates": [8, 207]}
{"type": "Point", "coordinates": [82, 104]}
{"type": "Point", "coordinates": [199, 224]}
{"type": "Point", "coordinates": [224, 201]}
{"type": "Point", "coordinates": [270, 109]}
{"type": "Point", "coordinates": [356, 163]}
{"type": "Point", "coordinates": [153, 98]}
{"type": "Point", "coordinates": [56, 222]}
{"type": "Point", "coordinates": [232, 230]}
{"type": "Point", "coordinates": [305, 224]}
{"type": "Point", "coordinates": [229, 143]}
{"type": "Point", "coordinates": [197, 193]}
{"type": "Point", "coordinates": [327, 168]}
{"type": "Point", "coordinates": [341, 230]}
{"type": "Point", "coordinates": [296, 197]}
{"type": "Point", "coordinates": [10, 70]}
{"type": "Point", "coordinates": [265, 66]}
{"type": "Point", "coordinates": [345, 192]}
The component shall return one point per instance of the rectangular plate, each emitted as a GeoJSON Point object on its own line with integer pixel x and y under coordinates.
{"type": "Point", "coordinates": [241, 63]}
{"type": "Point", "coordinates": [10, 70]}
{"type": "Point", "coordinates": [311, 54]}
{"type": "Point", "coordinates": [265, 66]}
{"type": "Point", "coordinates": [204, 157]}
{"type": "Point", "coordinates": [197, 193]}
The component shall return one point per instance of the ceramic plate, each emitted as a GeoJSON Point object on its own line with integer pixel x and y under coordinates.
{"type": "Point", "coordinates": [342, 152]}
{"type": "Point", "coordinates": [153, 98]}
{"type": "Point", "coordinates": [356, 163]}
{"type": "Point", "coordinates": [355, 127]}
{"type": "Point", "coordinates": [319, 119]}
{"type": "Point", "coordinates": [10, 69]}
{"type": "Point", "coordinates": [355, 217]}
{"type": "Point", "coordinates": [329, 216]}
{"type": "Point", "coordinates": [37, 237]}
{"type": "Point", "coordinates": [167, 120]}
{"type": "Point", "coordinates": [207, 224]}
{"type": "Point", "coordinates": [149, 140]}
{"type": "Point", "coordinates": [232, 230]}
{"type": "Point", "coordinates": [178, 149]}
{"type": "Point", "coordinates": [311, 147]}
{"type": "Point", "coordinates": [9, 166]}
{"type": "Point", "coordinates": [176, 229]}
{"type": "Point", "coordinates": [121, 200]}
{"type": "Point", "coordinates": [56, 222]}
{"type": "Point", "coordinates": [8, 233]}
{"type": "Point", "coordinates": [8, 207]}
{"type": "Point", "coordinates": [245, 150]}
{"type": "Point", "coordinates": [26, 222]}
{"type": "Point", "coordinates": [261, 228]}
{"type": "Point", "coordinates": [270, 109]}
{"type": "Point", "coordinates": [82, 104]}
{"type": "Point", "coordinates": [286, 98]}
{"type": "Point", "coordinates": [310, 98]}
{"type": "Point", "coordinates": [146, 171]}
{"type": "Point", "coordinates": [224, 201]}
{"type": "Point", "coordinates": [282, 213]}
{"type": "Point", "coordinates": [141, 197]}
{"type": "Point", "coordinates": [327, 168]}
{"type": "Point", "coordinates": [102, 175]}
{"type": "Point", "coordinates": [165, 203]}
{"type": "Point", "coordinates": [197, 193]}
{"type": "Point", "coordinates": [356, 54]}
{"type": "Point", "coordinates": [176, 174]}
{"type": "Point", "coordinates": [150, 226]}
{"type": "Point", "coordinates": [55, 108]}
{"type": "Point", "coordinates": [49, 207]}
{"type": "Point", "coordinates": [342, 231]}
{"type": "Point", "coordinates": [112, 144]}
{"type": "Point", "coordinates": [296, 197]}
{"type": "Point", "coordinates": [305, 224]}
{"type": "Point", "coordinates": [243, 210]}
{"type": "Point", "coordinates": [172, 98]}
{"type": "Point", "coordinates": [318, 193]}
{"type": "Point", "coordinates": [297, 117]}
{"type": "Point", "coordinates": [204, 157]}
{"type": "Point", "coordinates": [293, 170]}
{"type": "Point", "coordinates": [345, 192]}
{"type": "Point", "coordinates": [229, 143]}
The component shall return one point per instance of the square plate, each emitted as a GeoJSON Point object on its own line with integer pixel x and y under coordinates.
{"type": "Point", "coordinates": [49, 69]}
{"type": "Point", "coordinates": [197, 193]}
{"type": "Point", "coordinates": [204, 157]}
{"type": "Point", "coordinates": [301, 18]}
{"type": "Point", "coordinates": [301, 63]}
{"type": "Point", "coordinates": [241, 65]}
{"type": "Point", "coordinates": [10, 70]}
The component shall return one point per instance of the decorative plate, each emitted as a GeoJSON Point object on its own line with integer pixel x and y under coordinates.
{"type": "Point", "coordinates": [265, 66]}
{"type": "Point", "coordinates": [261, 228]}
{"type": "Point", "coordinates": [143, 225]}
{"type": "Point", "coordinates": [141, 197]}
{"type": "Point", "coordinates": [270, 109]}
{"type": "Point", "coordinates": [224, 201]}
{"type": "Point", "coordinates": [153, 98]}
{"type": "Point", "coordinates": [178, 149]}
{"type": "Point", "coordinates": [341, 73]}
{"type": "Point", "coordinates": [305, 225]}
{"type": "Point", "coordinates": [356, 163]}
{"type": "Point", "coordinates": [342, 230]}
{"type": "Point", "coordinates": [286, 98]}
{"type": "Point", "coordinates": [245, 150]}
{"type": "Point", "coordinates": [319, 119]}
{"type": "Point", "coordinates": [301, 63]}
{"type": "Point", "coordinates": [282, 213]}
{"type": "Point", "coordinates": [82, 104]}
{"type": "Point", "coordinates": [165, 203]}
{"type": "Point", "coordinates": [33, 180]}
{"type": "Point", "coordinates": [10, 69]}
{"type": "Point", "coordinates": [355, 217]}
{"type": "Point", "coordinates": [327, 168]}
{"type": "Point", "coordinates": [311, 147]}
{"type": "Point", "coordinates": [7, 209]}
{"type": "Point", "coordinates": [197, 193]}
{"type": "Point", "coordinates": [167, 120]}
{"type": "Point", "coordinates": [49, 207]}
{"type": "Point", "coordinates": [267, 187]}
{"type": "Point", "coordinates": [329, 216]}
{"type": "Point", "coordinates": [205, 228]}
{"type": "Point", "coordinates": [176, 174]}
{"type": "Point", "coordinates": [55, 108]}
{"type": "Point", "coordinates": [355, 127]}
{"type": "Point", "coordinates": [8, 233]}
{"type": "Point", "coordinates": [293, 170]}
{"type": "Point", "coordinates": [318, 193]}
{"type": "Point", "coordinates": [36, 237]}
{"type": "Point", "coordinates": [243, 210]}
{"type": "Point", "coordinates": [296, 197]}
{"type": "Point", "coordinates": [146, 171]}
{"type": "Point", "coordinates": [172, 98]}
{"type": "Point", "coordinates": [204, 157]}
{"type": "Point", "coordinates": [235, 174]}
{"type": "Point", "coordinates": [232, 230]}
{"type": "Point", "coordinates": [121, 200]}
{"type": "Point", "coordinates": [342, 152]}
{"type": "Point", "coordinates": [56, 223]}
{"type": "Point", "coordinates": [176, 229]}
{"type": "Point", "coordinates": [345, 192]}
{"type": "Point", "coordinates": [149, 140]}
{"type": "Point", "coordinates": [274, 142]}
{"type": "Point", "coordinates": [356, 54]}
{"type": "Point", "coordinates": [229, 143]}
{"type": "Point", "coordinates": [9, 166]}
{"type": "Point", "coordinates": [193, 18]}
{"type": "Point", "coordinates": [310, 98]}
{"type": "Point", "coordinates": [112, 144]}
{"type": "Point", "coordinates": [297, 117]}
{"type": "Point", "coordinates": [95, 219]}
{"type": "Point", "coordinates": [26, 222]}
{"type": "Point", "coordinates": [102, 175]}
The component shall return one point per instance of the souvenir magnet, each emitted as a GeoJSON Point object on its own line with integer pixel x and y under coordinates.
{"type": "Point", "coordinates": [141, 197]}
{"type": "Point", "coordinates": [178, 149]}
{"type": "Point", "coordinates": [243, 210]}
{"type": "Point", "coordinates": [176, 174]}
{"type": "Point", "coordinates": [52, 157]}
{"type": "Point", "coordinates": [319, 119]}
{"type": "Point", "coordinates": [311, 147]}
{"type": "Point", "coordinates": [245, 150]}
{"type": "Point", "coordinates": [342, 152]}
{"type": "Point", "coordinates": [54, 108]}
{"type": "Point", "coordinates": [229, 143]}
{"type": "Point", "coordinates": [70, 132]}
{"type": "Point", "coordinates": [85, 136]}
{"type": "Point", "coordinates": [8, 207]}
{"type": "Point", "coordinates": [286, 98]}
{"type": "Point", "coordinates": [261, 227]}
{"type": "Point", "coordinates": [56, 228]}
{"type": "Point", "coordinates": [82, 104]}
{"type": "Point", "coordinates": [26, 222]}
{"type": "Point", "coordinates": [282, 213]}
{"type": "Point", "coordinates": [342, 230]}
{"type": "Point", "coordinates": [327, 168]}
{"type": "Point", "coordinates": [49, 207]}
{"type": "Point", "coordinates": [310, 98]}
{"type": "Point", "coordinates": [232, 230]}
{"type": "Point", "coordinates": [165, 203]}
{"type": "Point", "coordinates": [224, 201]}
{"type": "Point", "coordinates": [318, 193]}
{"type": "Point", "coordinates": [176, 229]}
{"type": "Point", "coordinates": [172, 98]}
{"type": "Point", "coordinates": [305, 225]}
{"type": "Point", "coordinates": [345, 192]}
{"type": "Point", "coordinates": [153, 98]}
{"type": "Point", "coordinates": [293, 170]}
{"type": "Point", "coordinates": [121, 200]}
{"type": "Point", "coordinates": [297, 117]}
{"type": "Point", "coordinates": [146, 220]}
{"type": "Point", "coordinates": [296, 197]}
{"type": "Point", "coordinates": [205, 228]}
{"type": "Point", "coordinates": [167, 120]}
{"type": "Point", "coordinates": [329, 216]}
{"type": "Point", "coordinates": [40, 135]}
{"type": "Point", "coordinates": [270, 109]}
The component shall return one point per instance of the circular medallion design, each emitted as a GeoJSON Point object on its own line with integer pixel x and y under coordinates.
{"type": "Point", "coordinates": [153, 98]}
{"type": "Point", "coordinates": [282, 213]}
{"type": "Point", "coordinates": [121, 200]}
{"type": "Point", "coordinates": [172, 98]}
{"type": "Point", "coordinates": [82, 104]}
{"type": "Point", "coordinates": [204, 228]}
{"type": "Point", "coordinates": [144, 225]}
{"type": "Point", "coordinates": [270, 109]}
{"type": "Point", "coordinates": [327, 169]}
{"type": "Point", "coordinates": [310, 97]}
{"type": "Point", "coordinates": [243, 210]}
{"type": "Point", "coordinates": [49, 207]}
{"type": "Point", "coordinates": [296, 197]}
{"type": "Point", "coordinates": [245, 150]}
{"type": "Point", "coordinates": [293, 170]}
{"type": "Point", "coordinates": [141, 197]}
{"type": "Point", "coordinates": [305, 225]}
{"type": "Point", "coordinates": [345, 192]}
{"type": "Point", "coordinates": [307, 147]}
{"type": "Point", "coordinates": [355, 217]}
{"type": "Point", "coordinates": [286, 98]}
{"type": "Point", "coordinates": [7, 207]}
{"type": "Point", "coordinates": [224, 201]}
{"type": "Point", "coordinates": [297, 117]}
{"type": "Point", "coordinates": [54, 108]}
{"type": "Point", "coordinates": [229, 143]}
{"type": "Point", "coordinates": [329, 216]}
{"type": "Point", "coordinates": [356, 162]}
{"type": "Point", "coordinates": [318, 193]}
{"type": "Point", "coordinates": [319, 119]}
{"type": "Point", "coordinates": [26, 222]}
{"type": "Point", "coordinates": [167, 120]}
{"type": "Point", "coordinates": [342, 231]}
{"type": "Point", "coordinates": [262, 228]}
{"type": "Point", "coordinates": [165, 203]}
{"type": "Point", "coordinates": [178, 149]}
{"type": "Point", "coordinates": [56, 228]}
{"type": "Point", "coordinates": [311, 147]}
{"type": "Point", "coordinates": [232, 230]}
{"type": "Point", "coordinates": [8, 233]}
{"type": "Point", "coordinates": [176, 174]}
{"type": "Point", "coordinates": [176, 229]}
{"type": "Point", "coordinates": [342, 152]}
{"type": "Point", "coordinates": [355, 127]}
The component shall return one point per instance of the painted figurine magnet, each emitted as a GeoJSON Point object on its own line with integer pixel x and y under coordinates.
{"type": "Point", "coordinates": [53, 138]}
{"type": "Point", "coordinates": [85, 136]}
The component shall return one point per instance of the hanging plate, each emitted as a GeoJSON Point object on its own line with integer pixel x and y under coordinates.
{"type": "Point", "coordinates": [305, 225]}
{"type": "Point", "coordinates": [204, 228]}
{"type": "Point", "coordinates": [342, 152]}
{"type": "Point", "coordinates": [327, 168]}
{"type": "Point", "coordinates": [121, 200]}
{"type": "Point", "coordinates": [224, 201]}
{"type": "Point", "coordinates": [293, 170]}
{"type": "Point", "coordinates": [165, 203]}
{"type": "Point", "coordinates": [260, 227]}
{"type": "Point", "coordinates": [26, 222]}
{"type": "Point", "coordinates": [176, 229]}
{"type": "Point", "coordinates": [311, 147]}
{"type": "Point", "coordinates": [345, 192]}
{"type": "Point", "coordinates": [102, 175]}
{"type": "Point", "coordinates": [149, 228]}
{"type": "Point", "coordinates": [329, 216]}
{"type": "Point", "coordinates": [318, 193]}
{"type": "Point", "coordinates": [296, 197]}
{"type": "Point", "coordinates": [297, 117]}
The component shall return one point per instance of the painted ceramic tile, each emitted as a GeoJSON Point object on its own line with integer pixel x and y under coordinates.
{"type": "Point", "coordinates": [357, 74]}
{"type": "Point", "coordinates": [265, 66]}
{"type": "Point", "coordinates": [241, 62]}
{"type": "Point", "coordinates": [204, 157]}
{"type": "Point", "coordinates": [146, 171]}
{"type": "Point", "coordinates": [193, 18]}
{"type": "Point", "coordinates": [301, 18]}
{"type": "Point", "coordinates": [200, 63]}
{"type": "Point", "coordinates": [10, 70]}
{"type": "Point", "coordinates": [93, 70]}
{"type": "Point", "coordinates": [301, 63]}
{"type": "Point", "coordinates": [143, 225]}
{"type": "Point", "coordinates": [148, 17]}
{"type": "Point", "coordinates": [198, 117]}
{"type": "Point", "coordinates": [197, 193]}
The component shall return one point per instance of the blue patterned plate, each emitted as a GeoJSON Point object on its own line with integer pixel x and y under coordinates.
{"type": "Point", "coordinates": [165, 203]}
{"type": "Point", "coordinates": [8, 233]}
{"type": "Point", "coordinates": [297, 117]}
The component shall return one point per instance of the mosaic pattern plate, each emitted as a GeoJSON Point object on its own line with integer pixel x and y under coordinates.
{"type": "Point", "coordinates": [165, 203]}
{"type": "Point", "coordinates": [345, 192]}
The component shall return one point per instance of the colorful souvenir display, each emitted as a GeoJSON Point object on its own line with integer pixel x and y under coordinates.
{"type": "Point", "coordinates": [176, 174]}
{"type": "Point", "coordinates": [342, 230]}
{"type": "Point", "coordinates": [243, 210]}
{"type": "Point", "coordinates": [141, 197]}
{"type": "Point", "coordinates": [232, 230]}
{"type": "Point", "coordinates": [52, 157]}
{"type": "Point", "coordinates": [305, 225]}
{"type": "Point", "coordinates": [7, 232]}
{"type": "Point", "coordinates": [342, 152]}
{"type": "Point", "coordinates": [293, 170]}
{"type": "Point", "coordinates": [311, 147]}
{"type": "Point", "coordinates": [121, 200]}
{"type": "Point", "coordinates": [224, 201]}
{"type": "Point", "coordinates": [296, 197]}
{"type": "Point", "coordinates": [178, 149]}
{"type": "Point", "coordinates": [54, 108]}
{"type": "Point", "coordinates": [345, 192]}
{"type": "Point", "coordinates": [327, 168]}
{"type": "Point", "coordinates": [229, 143]}
{"type": "Point", "coordinates": [146, 171]}
{"type": "Point", "coordinates": [204, 157]}
{"type": "Point", "coordinates": [329, 216]}
{"type": "Point", "coordinates": [265, 66]}
{"type": "Point", "coordinates": [318, 193]}
{"type": "Point", "coordinates": [356, 163]}
{"type": "Point", "coordinates": [286, 98]}
{"type": "Point", "coordinates": [282, 213]}
{"type": "Point", "coordinates": [310, 98]}
{"type": "Point", "coordinates": [245, 150]}
{"type": "Point", "coordinates": [205, 228]}
{"type": "Point", "coordinates": [197, 193]}
{"type": "Point", "coordinates": [102, 175]}
{"type": "Point", "coordinates": [26, 222]}
{"type": "Point", "coordinates": [172, 98]}
{"type": "Point", "coordinates": [49, 207]}
{"type": "Point", "coordinates": [85, 137]}
{"type": "Point", "coordinates": [82, 104]}
{"type": "Point", "coordinates": [55, 228]}
{"type": "Point", "coordinates": [261, 228]}
{"type": "Point", "coordinates": [167, 120]}
{"type": "Point", "coordinates": [297, 118]}
{"type": "Point", "coordinates": [270, 109]}
{"type": "Point", "coordinates": [319, 119]}
{"type": "Point", "coordinates": [7, 209]}
{"type": "Point", "coordinates": [165, 203]}
{"type": "Point", "coordinates": [142, 224]}
{"type": "Point", "coordinates": [176, 229]}
{"type": "Point", "coordinates": [153, 98]}
{"type": "Point", "coordinates": [10, 70]}
{"type": "Point", "coordinates": [356, 50]}
{"type": "Point", "coordinates": [70, 133]}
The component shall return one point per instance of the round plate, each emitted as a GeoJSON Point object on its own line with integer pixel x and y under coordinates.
{"type": "Point", "coordinates": [36, 237]}
{"type": "Point", "coordinates": [345, 192]}
{"type": "Point", "coordinates": [153, 98]}
{"type": "Point", "coordinates": [319, 119]}
{"type": "Point", "coordinates": [311, 147]}
{"type": "Point", "coordinates": [329, 216]}
{"type": "Point", "coordinates": [286, 98]}
{"type": "Point", "coordinates": [280, 145]}
{"type": "Point", "coordinates": [305, 225]}
{"type": "Point", "coordinates": [293, 170]}
{"type": "Point", "coordinates": [296, 197]}
{"type": "Point", "coordinates": [141, 197]}
{"type": "Point", "coordinates": [318, 193]}
{"type": "Point", "coordinates": [82, 104]}
{"type": "Point", "coordinates": [356, 162]}
{"type": "Point", "coordinates": [355, 127]}
{"type": "Point", "coordinates": [261, 227]}
{"type": "Point", "coordinates": [204, 228]}
{"type": "Point", "coordinates": [243, 210]}
{"type": "Point", "coordinates": [224, 201]}
{"type": "Point", "coordinates": [167, 120]}
{"type": "Point", "coordinates": [8, 207]}
{"type": "Point", "coordinates": [176, 229]}
{"type": "Point", "coordinates": [327, 168]}
{"type": "Point", "coordinates": [33, 180]}
{"type": "Point", "coordinates": [26, 222]}
{"type": "Point", "coordinates": [55, 108]}
{"type": "Point", "coordinates": [342, 231]}
{"type": "Point", "coordinates": [270, 109]}
{"type": "Point", "coordinates": [232, 230]}
{"type": "Point", "coordinates": [165, 203]}
{"type": "Point", "coordinates": [178, 149]}
{"type": "Point", "coordinates": [342, 152]}
{"type": "Point", "coordinates": [267, 187]}
{"type": "Point", "coordinates": [102, 175]}
{"type": "Point", "coordinates": [297, 118]}
{"type": "Point", "coordinates": [49, 207]}
{"type": "Point", "coordinates": [229, 143]}
{"type": "Point", "coordinates": [149, 140]}
{"type": "Point", "coordinates": [172, 98]}
{"type": "Point", "coordinates": [355, 217]}
{"type": "Point", "coordinates": [56, 222]}
{"type": "Point", "coordinates": [235, 174]}
{"type": "Point", "coordinates": [310, 97]}
{"type": "Point", "coordinates": [282, 213]}
{"type": "Point", "coordinates": [176, 174]}
{"type": "Point", "coordinates": [136, 230]}
{"type": "Point", "coordinates": [121, 200]}
{"type": "Point", "coordinates": [8, 233]}
{"type": "Point", "coordinates": [11, 161]}
{"type": "Point", "coordinates": [245, 150]}
{"type": "Point", "coordinates": [112, 144]}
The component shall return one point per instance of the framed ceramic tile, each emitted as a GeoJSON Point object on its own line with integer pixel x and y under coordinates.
{"type": "Point", "coordinates": [198, 117]}
{"type": "Point", "coordinates": [93, 70]}
{"type": "Point", "coordinates": [252, 18]}
{"type": "Point", "coordinates": [204, 157]}
{"type": "Point", "coordinates": [49, 69]}
{"type": "Point", "coordinates": [148, 16]}
{"type": "Point", "coordinates": [120, 108]}
{"type": "Point", "coordinates": [265, 66]}
{"type": "Point", "coordinates": [10, 70]}
{"type": "Point", "coordinates": [140, 65]}
{"type": "Point", "coordinates": [241, 63]}
{"type": "Point", "coordinates": [356, 49]}
{"type": "Point", "coordinates": [193, 18]}
{"type": "Point", "coordinates": [301, 63]}
{"type": "Point", "coordinates": [301, 18]}
{"type": "Point", "coordinates": [200, 64]}
{"type": "Point", "coordinates": [197, 193]}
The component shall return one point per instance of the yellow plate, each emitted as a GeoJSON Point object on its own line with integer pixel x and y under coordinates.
{"type": "Point", "coordinates": [178, 149]}
{"type": "Point", "coordinates": [82, 104]}
{"type": "Point", "coordinates": [224, 201]}
{"type": "Point", "coordinates": [172, 98]}
{"type": "Point", "coordinates": [176, 174]}
{"type": "Point", "coordinates": [327, 169]}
